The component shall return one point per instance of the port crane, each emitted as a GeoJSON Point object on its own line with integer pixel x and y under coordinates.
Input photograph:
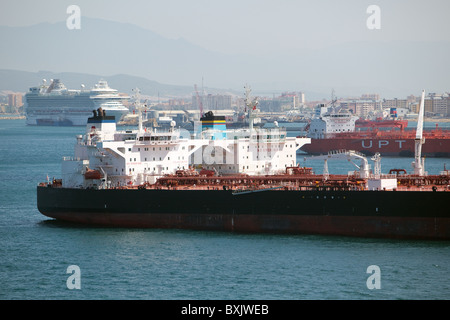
{"type": "Point", "coordinates": [350, 155]}
{"type": "Point", "coordinates": [419, 162]}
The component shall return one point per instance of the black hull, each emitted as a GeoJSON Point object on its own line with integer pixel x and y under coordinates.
{"type": "Point", "coordinates": [387, 214]}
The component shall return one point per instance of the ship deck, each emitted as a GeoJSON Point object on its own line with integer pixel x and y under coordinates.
{"type": "Point", "coordinates": [389, 134]}
{"type": "Point", "coordinates": [304, 182]}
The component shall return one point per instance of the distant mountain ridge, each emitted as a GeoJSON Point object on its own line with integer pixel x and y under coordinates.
{"type": "Point", "coordinates": [102, 47]}
{"type": "Point", "coordinates": [113, 49]}
{"type": "Point", "coordinates": [21, 81]}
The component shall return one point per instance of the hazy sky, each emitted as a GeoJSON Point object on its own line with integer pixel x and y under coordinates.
{"type": "Point", "coordinates": [310, 45]}
{"type": "Point", "coordinates": [249, 26]}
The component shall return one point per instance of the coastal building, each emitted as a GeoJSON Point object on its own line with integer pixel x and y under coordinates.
{"type": "Point", "coordinates": [15, 100]}
{"type": "Point", "coordinates": [439, 103]}
{"type": "Point", "coordinates": [212, 101]}
{"type": "Point", "coordinates": [286, 101]}
{"type": "Point", "coordinates": [361, 107]}
{"type": "Point", "coordinates": [395, 103]}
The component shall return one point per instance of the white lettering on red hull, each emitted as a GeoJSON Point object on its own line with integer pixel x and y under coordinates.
{"type": "Point", "coordinates": [381, 143]}
{"type": "Point", "coordinates": [400, 143]}
{"type": "Point", "coordinates": [366, 147]}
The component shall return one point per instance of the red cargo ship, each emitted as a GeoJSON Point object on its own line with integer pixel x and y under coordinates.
{"type": "Point", "coordinates": [388, 137]}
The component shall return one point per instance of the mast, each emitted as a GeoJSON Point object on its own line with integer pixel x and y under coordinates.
{"type": "Point", "coordinates": [138, 106]}
{"type": "Point", "coordinates": [333, 98]}
{"type": "Point", "coordinates": [199, 100]}
{"type": "Point", "coordinates": [377, 160]}
{"type": "Point", "coordinates": [251, 105]}
{"type": "Point", "coordinates": [419, 162]}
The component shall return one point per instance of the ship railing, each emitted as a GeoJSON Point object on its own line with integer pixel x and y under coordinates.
{"type": "Point", "coordinates": [383, 176]}
{"type": "Point", "coordinates": [423, 188]}
{"type": "Point", "coordinates": [252, 190]}
{"type": "Point", "coordinates": [100, 154]}
{"type": "Point", "coordinates": [269, 135]}
{"type": "Point", "coordinates": [71, 159]}
{"type": "Point", "coordinates": [174, 140]}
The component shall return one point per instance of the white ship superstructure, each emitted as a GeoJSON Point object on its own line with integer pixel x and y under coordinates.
{"type": "Point", "coordinates": [56, 105]}
{"type": "Point", "coordinates": [328, 121]}
{"type": "Point", "coordinates": [106, 158]}
{"type": "Point", "coordinates": [252, 150]}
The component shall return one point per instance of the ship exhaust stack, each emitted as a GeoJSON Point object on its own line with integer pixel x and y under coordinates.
{"type": "Point", "coordinates": [419, 162]}
{"type": "Point", "coordinates": [101, 123]}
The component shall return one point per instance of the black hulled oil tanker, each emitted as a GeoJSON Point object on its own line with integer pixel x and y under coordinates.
{"type": "Point", "coordinates": [235, 180]}
{"type": "Point", "coordinates": [393, 214]}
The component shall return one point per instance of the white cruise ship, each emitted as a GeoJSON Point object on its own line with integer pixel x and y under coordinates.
{"type": "Point", "coordinates": [55, 105]}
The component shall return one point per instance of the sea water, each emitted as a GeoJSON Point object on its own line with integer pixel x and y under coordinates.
{"type": "Point", "coordinates": [37, 254]}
